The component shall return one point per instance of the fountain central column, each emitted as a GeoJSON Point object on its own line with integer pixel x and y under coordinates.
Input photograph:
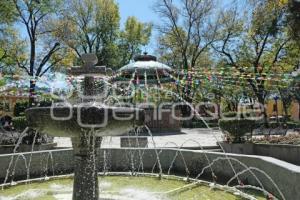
{"type": "Point", "coordinates": [85, 185]}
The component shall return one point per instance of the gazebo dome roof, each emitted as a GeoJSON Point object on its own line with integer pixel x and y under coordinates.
{"type": "Point", "coordinates": [145, 66]}
{"type": "Point", "coordinates": [145, 63]}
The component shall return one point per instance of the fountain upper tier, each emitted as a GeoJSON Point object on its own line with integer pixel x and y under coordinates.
{"type": "Point", "coordinates": [71, 120]}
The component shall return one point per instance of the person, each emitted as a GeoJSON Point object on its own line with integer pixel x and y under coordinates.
{"type": "Point", "coordinates": [6, 123]}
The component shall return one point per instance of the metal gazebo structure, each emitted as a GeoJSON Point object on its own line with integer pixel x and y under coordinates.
{"type": "Point", "coordinates": [146, 72]}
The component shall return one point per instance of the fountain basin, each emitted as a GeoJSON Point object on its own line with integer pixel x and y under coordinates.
{"type": "Point", "coordinates": [121, 186]}
{"type": "Point", "coordinates": [75, 120]}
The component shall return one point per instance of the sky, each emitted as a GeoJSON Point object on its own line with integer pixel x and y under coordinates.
{"type": "Point", "coordinates": [142, 9]}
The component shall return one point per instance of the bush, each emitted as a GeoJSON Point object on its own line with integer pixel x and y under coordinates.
{"type": "Point", "coordinates": [292, 125]}
{"type": "Point", "coordinates": [286, 125]}
{"type": "Point", "coordinates": [20, 108]}
{"type": "Point", "coordinates": [274, 125]}
{"type": "Point", "coordinates": [230, 114]}
{"type": "Point", "coordinates": [45, 103]}
{"type": "Point", "coordinates": [237, 128]}
{"type": "Point", "coordinates": [243, 115]}
{"type": "Point", "coordinates": [19, 123]}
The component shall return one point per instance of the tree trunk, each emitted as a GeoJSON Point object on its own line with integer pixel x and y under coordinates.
{"type": "Point", "coordinates": [299, 110]}
{"type": "Point", "coordinates": [261, 100]}
{"type": "Point", "coordinates": [32, 93]}
{"type": "Point", "coordinates": [286, 113]}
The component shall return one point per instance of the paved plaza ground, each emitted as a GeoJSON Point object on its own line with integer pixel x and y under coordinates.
{"type": "Point", "coordinates": [188, 138]}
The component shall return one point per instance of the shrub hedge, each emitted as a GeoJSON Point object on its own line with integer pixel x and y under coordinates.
{"type": "Point", "coordinates": [230, 114]}
{"type": "Point", "coordinates": [242, 115]}
{"type": "Point", "coordinates": [19, 123]}
{"type": "Point", "coordinates": [237, 128]}
{"type": "Point", "coordinates": [292, 125]}
{"type": "Point", "coordinates": [20, 108]}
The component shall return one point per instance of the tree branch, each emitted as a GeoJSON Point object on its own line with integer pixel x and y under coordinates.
{"type": "Point", "coordinates": [22, 66]}
{"type": "Point", "coordinates": [46, 58]}
{"type": "Point", "coordinates": [50, 66]}
{"type": "Point", "coordinates": [279, 50]}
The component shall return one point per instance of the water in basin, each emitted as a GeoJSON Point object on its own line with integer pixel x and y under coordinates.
{"type": "Point", "coordinates": [121, 188]}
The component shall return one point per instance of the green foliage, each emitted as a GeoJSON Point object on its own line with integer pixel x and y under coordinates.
{"type": "Point", "coordinates": [135, 35]}
{"type": "Point", "coordinates": [230, 114]}
{"type": "Point", "coordinates": [292, 125]}
{"type": "Point", "coordinates": [266, 18]}
{"type": "Point", "coordinates": [2, 82]}
{"type": "Point", "coordinates": [7, 11]}
{"type": "Point", "coordinates": [242, 115]}
{"type": "Point", "coordinates": [90, 26]}
{"type": "Point", "coordinates": [12, 50]}
{"type": "Point", "coordinates": [19, 123]}
{"type": "Point", "coordinates": [20, 108]}
{"type": "Point", "coordinates": [237, 128]}
{"type": "Point", "coordinates": [258, 48]}
{"type": "Point", "coordinates": [294, 19]}
{"type": "Point", "coordinates": [45, 103]}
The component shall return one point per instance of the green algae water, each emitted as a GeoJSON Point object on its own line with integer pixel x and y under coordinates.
{"type": "Point", "coordinates": [122, 188]}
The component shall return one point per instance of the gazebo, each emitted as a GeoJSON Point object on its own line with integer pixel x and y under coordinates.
{"type": "Point", "coordinates": [146, 72]}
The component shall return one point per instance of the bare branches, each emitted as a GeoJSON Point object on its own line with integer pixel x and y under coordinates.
{"type": "Point", "coordinates": [223, 51]}
{"type": "Point", "coordinates": [188, 25]}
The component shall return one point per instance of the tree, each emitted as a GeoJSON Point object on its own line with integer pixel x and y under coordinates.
{"type": "Point", "coordinates": [9, 41]}
{"type": "Point", "coordinates": [33, 15]}
{"type": "Point", "coordinates": [186, 33]}
{"type": "Point", "coordinates": [8, 13]}
{"type": "Point", "coordinates": [91, 26]}
{"type": "Point", "coordinates": [292, 9]}
{"type": "Point", "coordinates": [135, 35]}
{"type": "Point", "coordinates": [11, 47]}
{"type": "Point", "coordinates": [258, 47]}
{"type": "Point", "coordinates": [188, 27]}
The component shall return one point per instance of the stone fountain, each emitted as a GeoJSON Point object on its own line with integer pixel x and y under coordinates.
{"type": "Point", "coordinates": [85, 124]}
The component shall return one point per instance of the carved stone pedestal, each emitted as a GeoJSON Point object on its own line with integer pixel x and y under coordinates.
{"type": "Point", "coordinates": [85, 173]}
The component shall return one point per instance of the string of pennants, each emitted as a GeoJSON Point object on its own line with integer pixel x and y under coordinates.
{"type": "Point", "coordinates": [209, 78]}
{"type": "Point", "coordinates": [196, 78]}
{"type": "Point", "coordinates": [222, 74]}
